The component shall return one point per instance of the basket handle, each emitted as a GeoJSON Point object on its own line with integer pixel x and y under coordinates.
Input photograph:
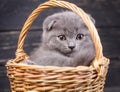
{"type": "Point", "coordinates": [20, 54]}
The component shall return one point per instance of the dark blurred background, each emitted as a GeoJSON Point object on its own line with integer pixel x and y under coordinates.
{"type": "Point", "coordinates": [13, 14]}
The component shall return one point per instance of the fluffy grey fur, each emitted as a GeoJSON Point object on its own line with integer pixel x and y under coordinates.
{"type": "Point", "coordinates": [66, 41]}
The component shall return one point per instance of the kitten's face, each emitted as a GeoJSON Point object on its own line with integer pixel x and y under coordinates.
{"type": "Point", "coordinates": [68, 35]}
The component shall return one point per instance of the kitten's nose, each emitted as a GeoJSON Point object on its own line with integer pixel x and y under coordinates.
{"type": "Point", "coordinates": [71, 45]}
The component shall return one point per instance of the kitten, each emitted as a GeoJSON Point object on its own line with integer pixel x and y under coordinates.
{"type": "Point", "coordinates": [66, 41]}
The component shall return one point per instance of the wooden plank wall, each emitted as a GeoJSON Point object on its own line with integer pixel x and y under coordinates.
{"type": "Point", "coordinates": [13, 14]}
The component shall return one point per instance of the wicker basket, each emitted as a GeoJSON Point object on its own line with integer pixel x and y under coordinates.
{"type": "Point", "coordinates": [34, 78]}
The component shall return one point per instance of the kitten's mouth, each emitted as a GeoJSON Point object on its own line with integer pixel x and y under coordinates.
{"type": "Point", "coordinates": [70, 53]}
{"type": "Point", "coordinates": [67, 53]}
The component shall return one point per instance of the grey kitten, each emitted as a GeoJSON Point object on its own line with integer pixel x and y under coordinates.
{"type": "Point", "coordinates": [66, 41]}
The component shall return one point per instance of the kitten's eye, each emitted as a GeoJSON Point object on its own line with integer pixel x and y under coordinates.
{"type": "Point", "coordinates": [79, 36]}
{"type": "Point", "coordinates": [62, 37]}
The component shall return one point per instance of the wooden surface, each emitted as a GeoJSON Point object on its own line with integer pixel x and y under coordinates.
{"type": "Point", "coordinates": [14, 13]}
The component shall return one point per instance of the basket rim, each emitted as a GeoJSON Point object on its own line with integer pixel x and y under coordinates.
{"type": "Point", "coordinates": [80, 67]}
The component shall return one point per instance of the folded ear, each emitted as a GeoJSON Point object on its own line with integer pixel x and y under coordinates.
{"type": "Point", "coordinates": [51, 25]}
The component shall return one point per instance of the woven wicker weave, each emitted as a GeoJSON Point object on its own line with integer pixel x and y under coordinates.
{"type": "Point", "coordinates": [34, 78]}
